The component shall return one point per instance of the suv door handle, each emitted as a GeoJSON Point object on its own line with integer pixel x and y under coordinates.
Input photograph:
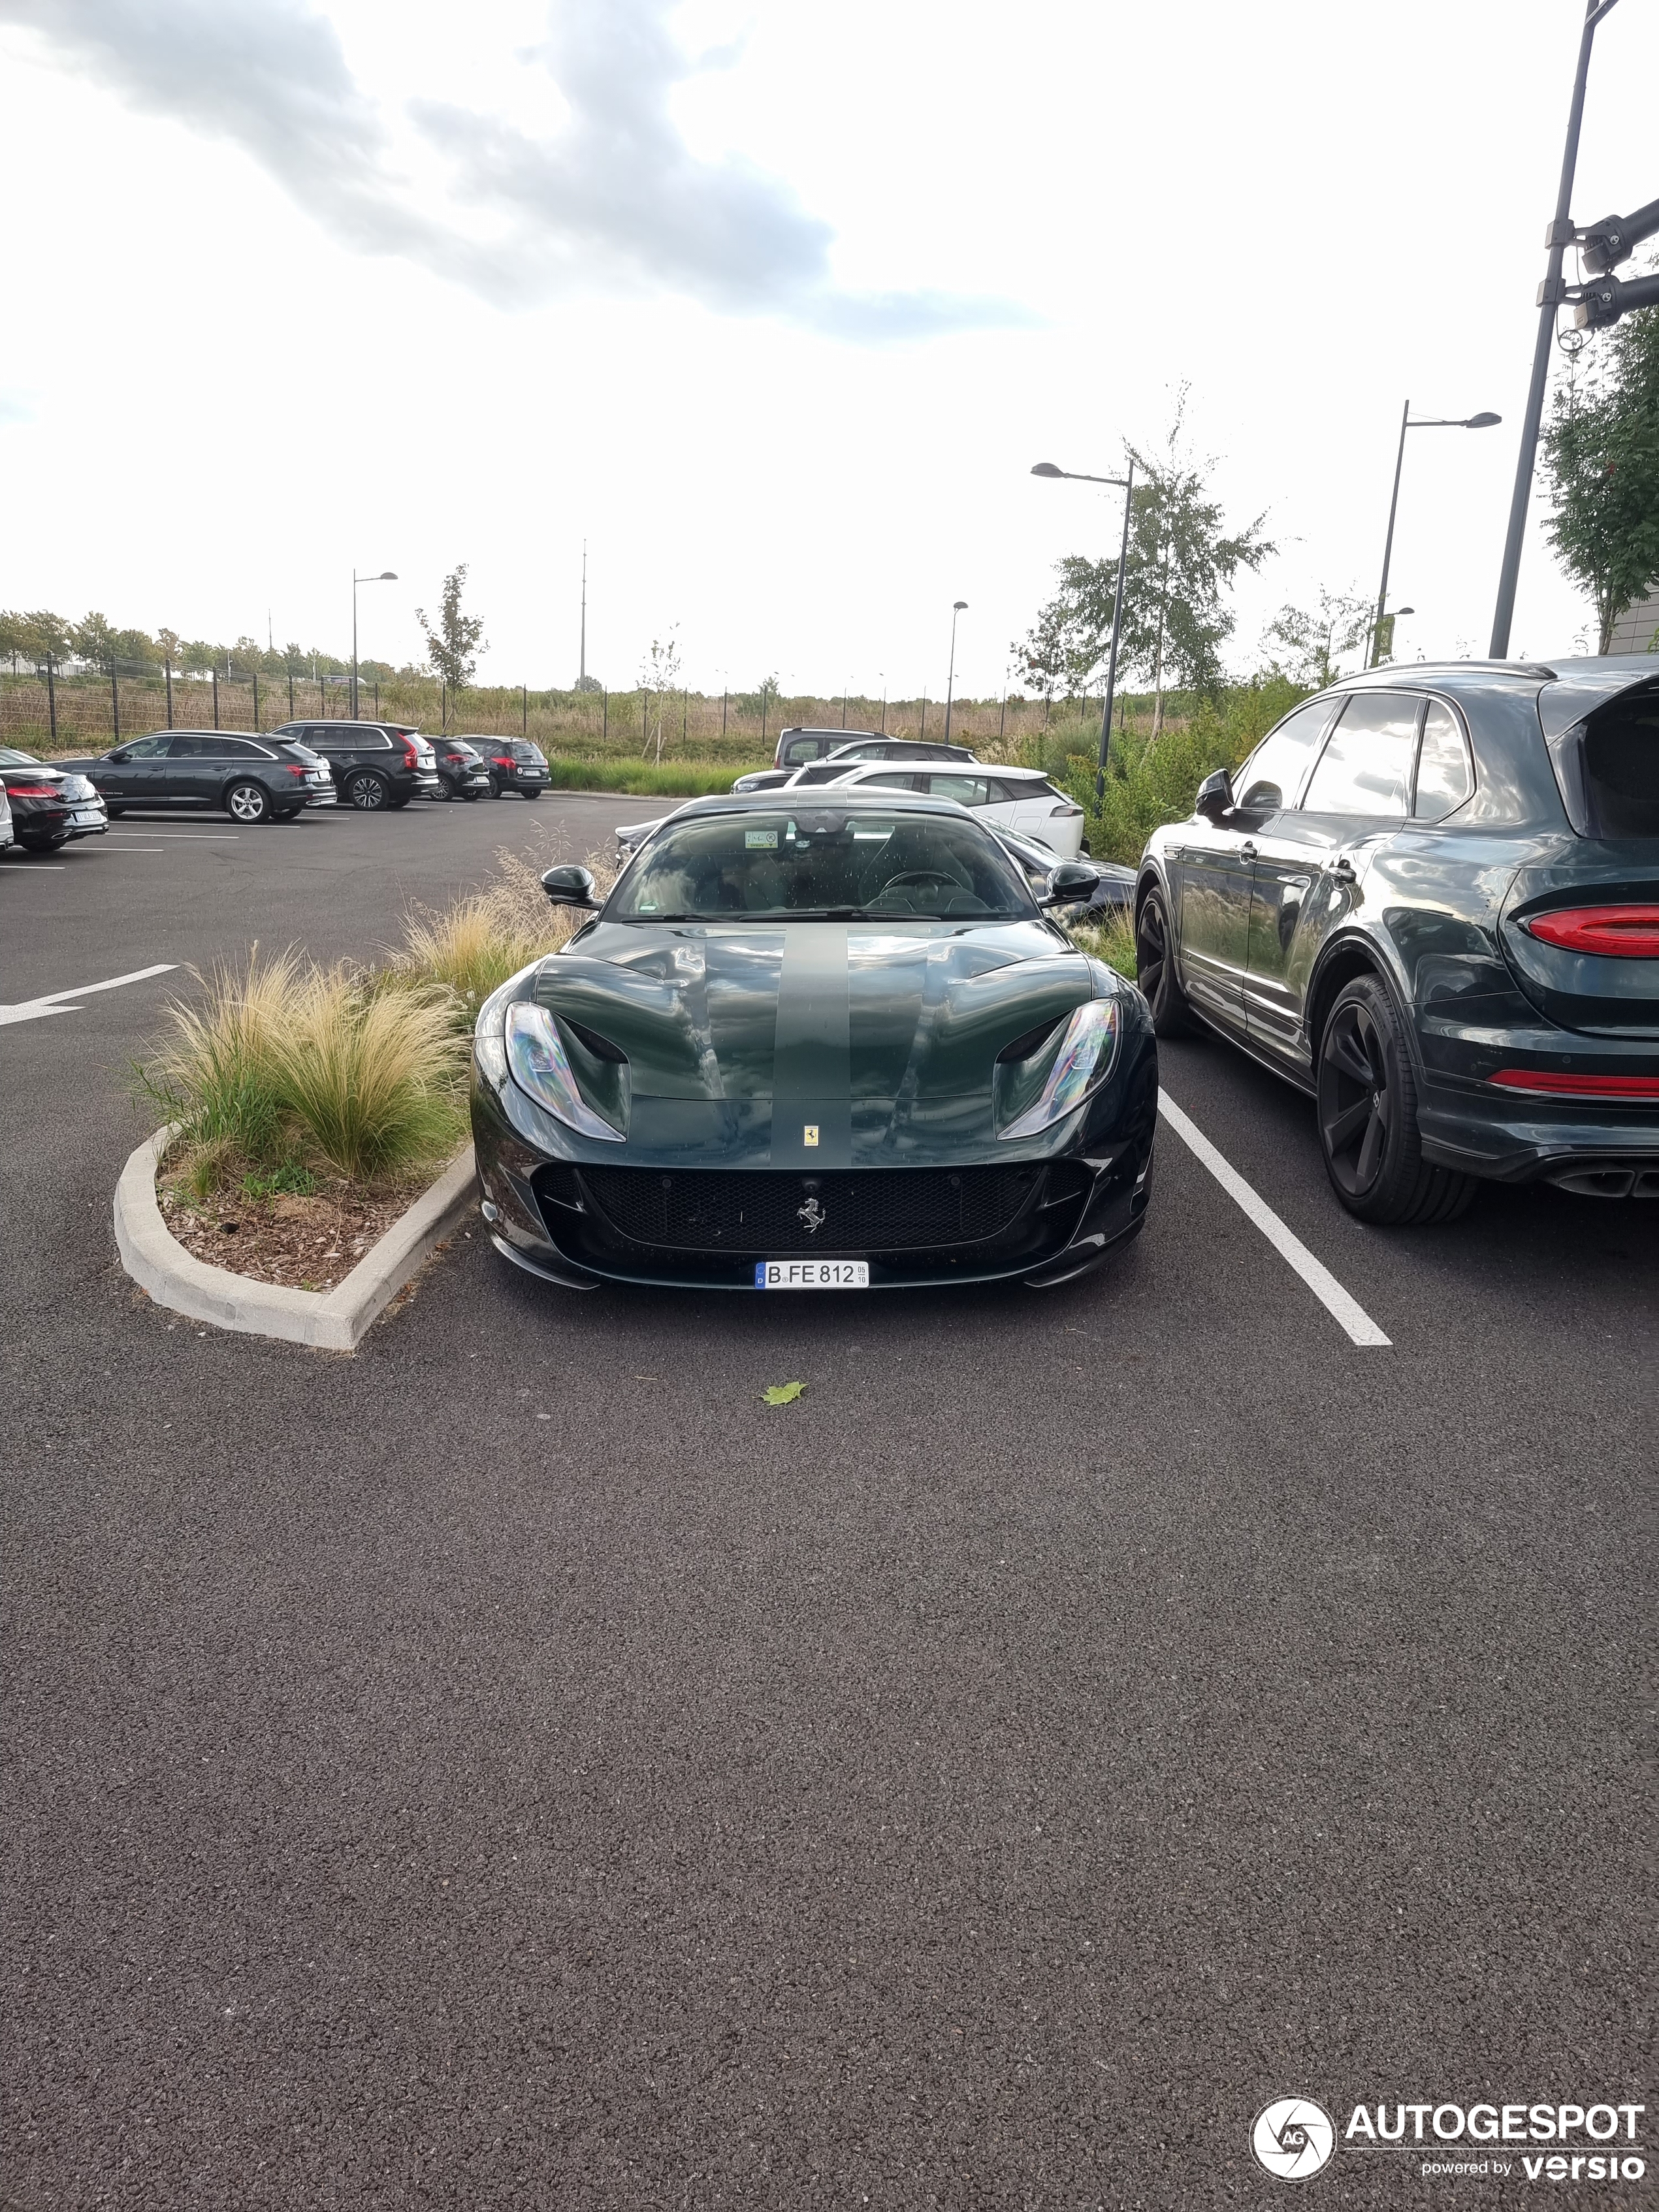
{"type": "Point", "coordinates": [1342, 869]}
{"type": "Point", "coordinates": [1247, 850]}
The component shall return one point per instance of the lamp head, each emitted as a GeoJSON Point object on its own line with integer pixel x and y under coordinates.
{"type": "Point", "coordinates": [1483, 421]}
{"type": "Point", "coordinates": [957, 606]}
{"type": "Point", "coordinates": [1047, 469]}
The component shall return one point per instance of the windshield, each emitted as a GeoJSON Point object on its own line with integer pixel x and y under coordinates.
{"type": "Point", "coordinates": [10, 758]}
{"type": "Point", "coordinates": [821, 863]}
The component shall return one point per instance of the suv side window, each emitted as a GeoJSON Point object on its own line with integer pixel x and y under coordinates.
{"type": "Point", "coordinates": [966, 790]}
{"type": "Point", "coordinates": [147, 748]}
{"type": "Point", "coordinates": [892, 779]}
{"type": "Point", "coordinates": [1444, 779]}
{"type": "Point", "coordinates": [1366, 766]}
{"type": "Point", "coordinates": [802, 750]}
{"type": "Point", "coordinates": [1272, 776]}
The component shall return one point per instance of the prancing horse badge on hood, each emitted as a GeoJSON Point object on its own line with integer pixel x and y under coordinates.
{"type": "Point", "coordinates": [813, 1215]}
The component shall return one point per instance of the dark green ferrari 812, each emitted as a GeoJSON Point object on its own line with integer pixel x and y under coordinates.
{"type": "Point", "coordinates": [824, 1046]}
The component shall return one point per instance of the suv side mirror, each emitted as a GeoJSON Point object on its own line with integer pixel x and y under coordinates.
{"type": "Point", "coordinates": [1215, 796]}
{"type": "Point", "coordinates": [120, 754]}
{"type": "Point", "coordinates": [571, 887]}
{"type": "Point", "coordinates": [1073, 883]}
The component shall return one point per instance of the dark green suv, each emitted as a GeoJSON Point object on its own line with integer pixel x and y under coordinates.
{"type": "Point", "coordinates": [374, 764]}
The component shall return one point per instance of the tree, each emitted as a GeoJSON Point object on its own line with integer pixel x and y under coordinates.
{"type": "Point", "coordinates": [16, 638]}
{"type": "Point", "coordinates": [1181, 562]}
{"type": "Point", "coordinates": [659, 675]}
{"type": "Point", "coordinates": [92, 641]}
{"type": "Point", "coordinates": [1315, 641]}
{"type": "Point", "coordinates": [1601, 463]}
{"type": "Point", "coordinates": [171, 647]}
{"type": "Point", "coordinates": [452, 648]}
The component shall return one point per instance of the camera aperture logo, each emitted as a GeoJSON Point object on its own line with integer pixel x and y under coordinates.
{"type": "Point", "coordinates": [1293, 2139]}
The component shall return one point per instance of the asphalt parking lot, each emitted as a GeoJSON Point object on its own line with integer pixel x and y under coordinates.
{"type": "Point", "coordinates": [514, 1766]}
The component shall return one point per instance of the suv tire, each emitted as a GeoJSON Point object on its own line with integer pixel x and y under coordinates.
{"type": "Point", "coordinates": [367, 791]}
{"type": "Point", "coordinates": [1367, 1115]}
{"type": "Point", "coordinates": [248, 802]}
{"type": "Point", "coordinates": [1155, 970]}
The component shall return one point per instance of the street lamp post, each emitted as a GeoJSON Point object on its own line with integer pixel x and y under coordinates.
{"type": "Point", "coordinates": [1423, 423]}
{"type": "Point", "coordinates": [386, 576]}
{"type": "Point", "coordinates": [957, 608]}
{"type": "Point", "coordinates": [1557, 238]}
{"type": "Point", "coordinates": [1127, 486]}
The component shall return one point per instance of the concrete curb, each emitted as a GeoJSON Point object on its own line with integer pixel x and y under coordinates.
{"type": "Point", "coordinates": [332, 1321]}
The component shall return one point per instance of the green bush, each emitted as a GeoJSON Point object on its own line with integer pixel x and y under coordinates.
{"type": "Point", "coordinates": [1150, 783]}
{"type": "Point", "coordinates": [684, 780]}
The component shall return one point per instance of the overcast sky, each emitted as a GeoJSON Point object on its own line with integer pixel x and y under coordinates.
{"type": "Point", "coordinates": [774, 304]}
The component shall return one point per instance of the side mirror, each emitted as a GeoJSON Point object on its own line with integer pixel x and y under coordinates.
{"type": "Point", "coordinates": [571, 887]}
{"type": "Point", "coordinates": [1215, 796]}
{"type": "Point", "coordinates": [1073, 883]}
{"type": "Point", "coordinates": [122, 755]}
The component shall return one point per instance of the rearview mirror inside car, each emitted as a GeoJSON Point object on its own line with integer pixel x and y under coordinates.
{"type": "Point", "coordinates": [1072, 884]}
{"type": "Point", "coordinates": [1215, 796]}
{"type": "Point", "coordinates": [570, 887]}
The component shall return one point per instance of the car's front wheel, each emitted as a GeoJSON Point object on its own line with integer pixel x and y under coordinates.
{"type": "Point", "coordinates": [247, 802]}
{"type": "Point", "coordinates": [1154, 968]}
{"type": "Point", "coordinates": [1367, 1105]}
{"type": "Point", "coordinates": [367, 792]}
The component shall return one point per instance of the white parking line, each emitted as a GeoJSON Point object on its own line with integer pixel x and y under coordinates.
{"type": "Point", "coordinates": [183, 836]}
{"type": "Point", "coordinates": [35, 1010]}
{"type": "Point", "coordinates": [1345, 1310]}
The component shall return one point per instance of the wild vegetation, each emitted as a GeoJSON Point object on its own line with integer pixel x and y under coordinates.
{"type": "Point", "coordinates": [286, 1077]}
{"type": "Point", "coordinates": [1602, 463]}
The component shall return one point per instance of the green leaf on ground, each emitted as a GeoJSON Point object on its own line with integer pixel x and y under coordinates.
{"type": "Point", "coordinates": [783, 1394]}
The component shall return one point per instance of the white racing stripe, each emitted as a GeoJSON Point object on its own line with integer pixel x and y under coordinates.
{"type": "Point", "coordinates": [36, 1009]}
{"type": "Point", "coordinates": [1345, 1310]}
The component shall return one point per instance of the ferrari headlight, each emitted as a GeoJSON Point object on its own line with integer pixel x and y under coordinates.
{"type": "Point", "coordinates": [537, 1061]}
{"type": "Point", "coordinates": [1082, 1064]}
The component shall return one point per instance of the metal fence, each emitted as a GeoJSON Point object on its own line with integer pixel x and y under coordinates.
{"type": "Point", "coordinates": [47, 709]}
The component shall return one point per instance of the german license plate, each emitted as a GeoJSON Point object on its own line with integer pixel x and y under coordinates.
{"type": "Point", "coordinates": [86, 817]}
{"type": "Point", "coordinates": [812, 1274]}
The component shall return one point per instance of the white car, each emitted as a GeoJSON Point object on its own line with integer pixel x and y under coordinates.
{"type": "Point", "coordinates": [1020, 798]}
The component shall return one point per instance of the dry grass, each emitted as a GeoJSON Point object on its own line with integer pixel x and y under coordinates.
{"type": "Point", "coordinates": [470, 947]}
{"type": "Point", "coordinates": [1114, 942]}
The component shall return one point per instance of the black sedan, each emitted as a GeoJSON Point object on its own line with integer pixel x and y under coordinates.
{"type": "Point", "coordinates": [826, 1046]}
{"type": "Point", "coordinates": [1430, 899]}
{"type": "Point", "coordinates": [267, 779]}
{"type": "Point", "coordinates": [51, 801]}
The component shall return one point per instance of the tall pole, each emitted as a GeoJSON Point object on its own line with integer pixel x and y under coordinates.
{"type": "Point", "coordinates": [1372, 657]}
{"type": "Point", "coordinates": [883, 703]}
{"type": "Point", "coordinates": [951, 680]}
{"type": "Point", "coordinates": [1557, 238]}
{"type": "Point", "coordinates": [167, 665]}
{"type": "Point", "coordinates": [581, 676]}
{"type": "Point", "coordinates": [51, 695]}
{"type": "Point", "coordinates": [1117, 632]}
{"type": "Point", "coordinates": [354, 645]}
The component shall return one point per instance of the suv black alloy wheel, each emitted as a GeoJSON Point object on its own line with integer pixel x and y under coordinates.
{"type": "Point", "coordinates": [1367, 1115]}
{"type": "Point", "coordinates": [366, 790]}
{"type": "Point", "coordinates": [1155, 969]}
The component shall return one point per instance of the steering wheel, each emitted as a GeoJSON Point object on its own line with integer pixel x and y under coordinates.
{"type": "Point", "coordinates": [920, 876]}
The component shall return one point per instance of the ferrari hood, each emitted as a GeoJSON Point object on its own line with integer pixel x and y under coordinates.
{"type": "Point", "coordinates": [812, 1043]}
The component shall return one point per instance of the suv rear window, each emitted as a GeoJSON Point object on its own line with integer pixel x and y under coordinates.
{"type": "Point", "coordinates": [1621, 768]}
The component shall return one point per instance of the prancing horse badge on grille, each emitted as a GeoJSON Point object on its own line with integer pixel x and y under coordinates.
{"type": "Point", "coordinates": [813, 1215]}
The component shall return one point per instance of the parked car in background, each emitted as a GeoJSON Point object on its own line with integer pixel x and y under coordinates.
{"type": "Point", "coordinates": [1013, 798]}
{"type": "Point", "coordinates": [461, 770]}
{"type": "Point", "coordinates": [265, 779]}
{"type": "Point", "coordinates": [858, 746]}
{"type": "Point", "coordinates": [374, 765]}
{"type": "Point", "coordinates": [512, 764]}
{"type": "Point", "coordinates": [1114, 886]}
{"type": "Point", "coordinates": [50, 802]}
{"type": "Point", "coordinates": [1429, 898]}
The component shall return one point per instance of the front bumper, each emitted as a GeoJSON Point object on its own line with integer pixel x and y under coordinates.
{"type": "Point", "coordinates": [555, 1213]}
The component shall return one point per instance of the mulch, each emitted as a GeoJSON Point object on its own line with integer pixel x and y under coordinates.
{"type": "Point", "coordinates": [306, 1244]}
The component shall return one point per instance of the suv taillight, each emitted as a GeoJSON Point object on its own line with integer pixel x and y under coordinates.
{"type": "Point", "coordinates": [411, 758]}
{"type": "Point", "coordinates": [1628, 933]}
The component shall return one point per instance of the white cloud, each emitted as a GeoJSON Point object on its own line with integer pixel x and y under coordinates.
{"type": "Point", "coordinates": [613, 201]}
